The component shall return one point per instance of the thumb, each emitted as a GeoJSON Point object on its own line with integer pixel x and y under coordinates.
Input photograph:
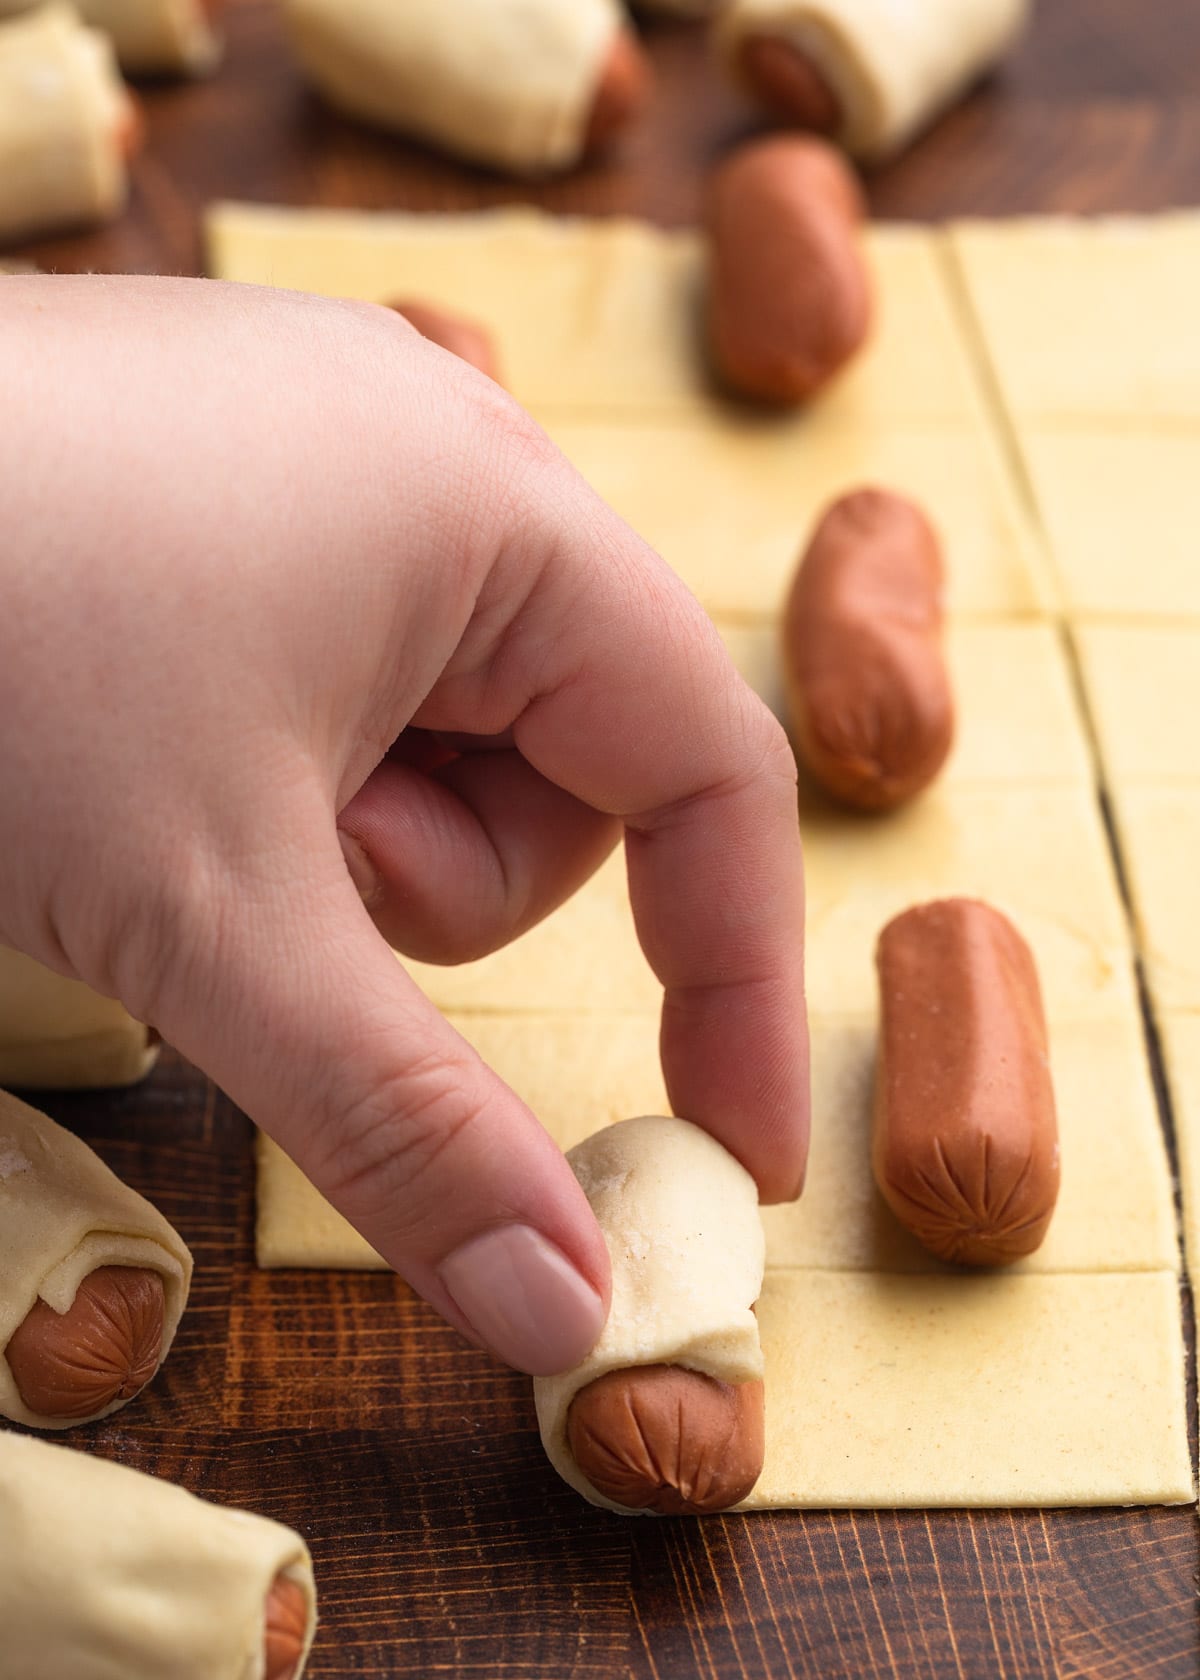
{"type": "Point", "coordinates": [294, 1004]}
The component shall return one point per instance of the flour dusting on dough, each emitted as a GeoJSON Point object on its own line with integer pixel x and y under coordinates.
{"type": "Point", "coordinates": [13, 1159]}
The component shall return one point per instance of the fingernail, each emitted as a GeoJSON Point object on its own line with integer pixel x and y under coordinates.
{"type": "Point", "coordinates": [524, 1298]}
{"type": "Point", "coordinates": [362, 871]}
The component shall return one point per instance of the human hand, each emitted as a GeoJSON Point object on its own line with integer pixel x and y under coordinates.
{"type": "Point", "coordinates": [250, 539]}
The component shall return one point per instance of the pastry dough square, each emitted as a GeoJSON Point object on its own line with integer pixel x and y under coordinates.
{"type": "Point", "coordinates": [1088, 320]}
{"type": "Point", "coordinates": [765, 481]}
{"type": "Point", "coordinates": [1159, 834]}
{"type": "Point", "coordinates": [598, 315]}
{"type": "Point", "coordinates": [1180, 1037]}
{"type": "Point", "coordinates": [584, 956]}
{"type": "Point", "coordinates": [578, 1073]}
{"type": "Point", "coordinates": [1018, 720]}
{"type": "Point", "coordinates": [1143, 692]}
{"type": "Point", "coordinates": [1038, 854]}
{"type": "Point", "coordinates": [990, 1390]}
{"type": "Point", "coordinates": [1115, 1210]}
{"type": "Point", "coordinates": [1121, 509]}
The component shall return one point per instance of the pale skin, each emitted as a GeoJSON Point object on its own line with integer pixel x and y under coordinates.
{"type": "Point", "coordinates": [254, 544]}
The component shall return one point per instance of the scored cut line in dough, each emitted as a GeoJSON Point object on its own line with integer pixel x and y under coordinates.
{"type": "Point", "coordinates": [1143, 691]}
{"type": "Point", "coordinates": [767, 479]}
{"type": "Point", "coordinates": [1091, 321]}
{"type": "Point", "coordinates": [1128, 550]}
{"type": "Point", "coordinates": [1037, 853]}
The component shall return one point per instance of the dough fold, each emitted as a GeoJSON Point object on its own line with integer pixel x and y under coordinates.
{"type": "Point", "coordinates": [503, 82]}
{"type": "Point", "coordinates": [108, 1574]}
{"type": "Point", "coordinates": [62, 1215]}
{"type": "Point", "coordinates": [892, 64]}
{"type": "Point", "coordinates": [59, 1035]}
{"type": "Point", "coordinates": [63, 112]}
{"type": "Point", "coordinates": [149, 36]}
{"type": "Point", "coordinates": [681, 1221]}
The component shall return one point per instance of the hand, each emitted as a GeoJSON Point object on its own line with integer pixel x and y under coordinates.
{"type": "Point", "coordinates": [250, 538]}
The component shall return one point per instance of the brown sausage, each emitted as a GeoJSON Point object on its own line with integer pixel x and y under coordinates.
{"type": "Point", "coordinates": [789, 84]}
{"type": "Point", "coordinates": [287, 1625]}
{"type": "Point", "coordinates": [622, 92]}
{"type": "Point", "coordinates": [965, 1139]}
{"type": "Point", "coordinates": [130, 132]}
{"type": "Point", "coordinates": [662, 1438]}
{"type": "Point", "coordinates": [452, 332]}
{"type": "Point", "coordinates": [871, 705]}
{"type": "Point", "coordinates": [789, 297]}
{"type": "Point", "coordinates": [103, 1349]}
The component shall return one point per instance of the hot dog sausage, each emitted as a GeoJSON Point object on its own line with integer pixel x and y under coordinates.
{"type": "Point", "coordinates": [622, 92]}
{"type": "Point", "coordinates": [103, 1350]}
{"type": "Point", "coordinates": [789, 296]}
{"type": "Point", "coordinates": [665, 1439]}
{"type": "Point", "coordinates": [452, 332]}
{"type": "Point", "coordinates": [287, 1616]}
{"type": "Point", "coordinates": [870, 700]}
{"type": "Point", "coordinates": [789, 83]}
{"type": "Point", "coordinates": [965, 1136]}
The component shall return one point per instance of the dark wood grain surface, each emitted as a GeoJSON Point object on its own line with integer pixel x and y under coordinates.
{"type": "Point", "coordinates": [444, 1543]}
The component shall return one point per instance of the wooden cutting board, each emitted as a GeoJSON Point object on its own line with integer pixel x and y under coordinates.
{"type": "Point", "coordinates": [444, 1544]}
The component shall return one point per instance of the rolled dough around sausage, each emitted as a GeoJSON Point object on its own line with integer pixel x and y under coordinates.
{"type": "Point", "coordinates": [107, 1572]}
{"type": "Point", "coordinates": [63, 1214]}
{"type": "Point", "coordinates": [680, 1218]}
{"type": "Point", "coordinates": [59, 1035]}
{"type": "Point", "coordinates": [893, 67]}
{"type": "Point", "coordinates": [62, 105]}
{"type": "Point", "coordinates": [148, 36]}
{"type": "Point", "coordinates": [503, 82]}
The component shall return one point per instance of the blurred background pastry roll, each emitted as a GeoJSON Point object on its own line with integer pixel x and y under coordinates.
{"type": "Point", "coordinates": [526, 86]}
{"type": "Point", "coordinates": [59, 1035]}
{"type": "Point", "coordinates": [151, 37]}
{"type": "Point", "coordinates": [68, 126]}
{"type": "Point", "coordinates": [871, 73]}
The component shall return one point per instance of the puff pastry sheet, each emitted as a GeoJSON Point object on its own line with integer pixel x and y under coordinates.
{"type": "Point", "coordinates": [891, 1380]}
{"type": "Point", "coordinates": [1091, 321]}
{"type": "Point", "coordinates": [1143, 693]}
{"type": "Point", "coordinates": [596, 315]}
{"type": "Point", "coordinates": [580, 1073]}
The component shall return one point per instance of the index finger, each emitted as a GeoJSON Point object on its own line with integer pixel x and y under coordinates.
{"type": "Point", "coordinates": [640, 713]}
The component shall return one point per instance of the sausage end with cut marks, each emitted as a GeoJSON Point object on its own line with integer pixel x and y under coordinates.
{"type": "Point", "coordinates": [965, 1136]}
{"type": "Point", "coordinates": [622, 92]}
{"type": "Point", "coordinates": [286, 1628]}
{"type": "Point", "coordinates": [665, 1439]}
{"type": "Point", "coordinates": [789, 300]}
{"type": "Point", "coordinates": [102, 1350]}
{"type": "Point", "coordinates": [790, 84]}
{"type": "Point", "coordinates": [871, 705]}
{"type": "Point", "coordinates": [463, 338]}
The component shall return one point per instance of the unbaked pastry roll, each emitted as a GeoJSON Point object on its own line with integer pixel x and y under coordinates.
{"type": "Point", "coordinates": [106, 1572]}
{"type": "Point", "coordinates": [67, 126]}
{"type": "Point", "coordinates": [151, 37]}
{"type": "Point", "coordinates": [869, 72]}
{"type": "Point", "coordinates": [511, 83]}
{"type": "Point", "coordinates": [685, 1238]}
{"type": "Point", "coordinates": [70, 1234]}
{"type": "Point", "coordinates": [59, 1035]}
